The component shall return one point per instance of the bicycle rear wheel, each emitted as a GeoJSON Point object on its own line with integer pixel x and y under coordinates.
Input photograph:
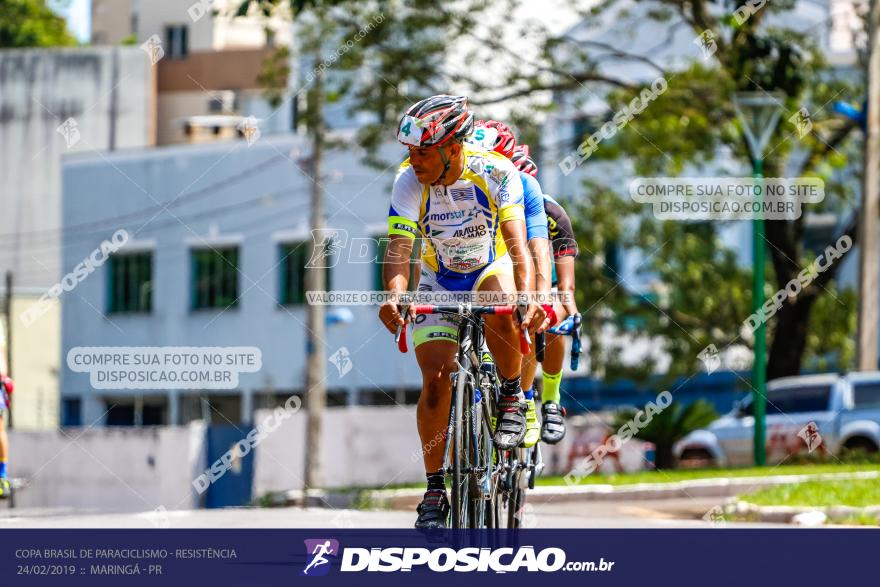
{"type": "Point", "coordinates": [509, 494]}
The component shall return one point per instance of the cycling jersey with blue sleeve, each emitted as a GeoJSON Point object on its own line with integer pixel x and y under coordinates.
{"type": "Point", "coordinates": [533, 199]}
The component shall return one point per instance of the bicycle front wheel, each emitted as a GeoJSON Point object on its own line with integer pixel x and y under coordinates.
{"type": "Point", "coordinates": [460, 453]}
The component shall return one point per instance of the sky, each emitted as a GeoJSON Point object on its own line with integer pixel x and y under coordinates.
{"type": "Point", "coordinates": [77, 14]}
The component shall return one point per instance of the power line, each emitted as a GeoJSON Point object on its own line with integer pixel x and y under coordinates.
{"type": "Point", "coordinates": [105, 223]}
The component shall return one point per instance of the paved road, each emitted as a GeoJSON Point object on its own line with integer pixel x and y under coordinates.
{"type": "Point", "coordinates": [670, 513]}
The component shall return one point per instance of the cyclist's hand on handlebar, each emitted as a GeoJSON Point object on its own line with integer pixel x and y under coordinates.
{"type": "Point", "coordinates": [390, 316]}
{"type": "Point", "coordinates": [535, 318]}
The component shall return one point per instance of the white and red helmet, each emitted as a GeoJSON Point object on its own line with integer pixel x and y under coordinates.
{"type": "Point", "coordinates": [494, 136]}
{"type": "Point", "coordinates": [523, 161]}
{"type": "Point", "coordinates": [435, 121]}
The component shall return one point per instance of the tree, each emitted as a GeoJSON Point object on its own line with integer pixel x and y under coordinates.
{"type": "Point", "coordinates": [701, 296]}
{"type": "Point", "coordinates": [369, 53]}
{"type": "Point", "coordinates": [669, 426]}
{"type": "Point", "coordinates": [30, 23]}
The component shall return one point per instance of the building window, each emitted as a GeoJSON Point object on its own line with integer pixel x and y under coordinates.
{"type": "Point", "coordinates": [131, 283]}
{"type": "Point", "coordinates": [71, 411]}
{"type": "Point", "coordinates": [214, 278]}
{"type": "Point", "coordinates": [294, 257]}
{"type": "Point", "coordinates": [118, 414]}
{"type": "Point", "coordinates": [176, 42]}
{"type": "Point", "coordinates": [216, 105]}
{"type": "Point", "coordinates": [222, 409]}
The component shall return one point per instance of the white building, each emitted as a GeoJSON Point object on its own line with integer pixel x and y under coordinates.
{"type": "Point", "coordinates": [54, 102]}
{"type": "Point", "coordinates": [184, 207]}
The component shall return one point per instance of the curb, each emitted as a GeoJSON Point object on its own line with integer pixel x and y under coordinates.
{"type": "Point", "coordinates": [717, 487]}
{"type": "Point", "coordinates": [799, 515]}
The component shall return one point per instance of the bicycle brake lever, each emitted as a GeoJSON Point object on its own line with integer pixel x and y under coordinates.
{"type": "Point", "coordinates": [525, 345]}
{"type": "Point", "coordinates": [400, 338]}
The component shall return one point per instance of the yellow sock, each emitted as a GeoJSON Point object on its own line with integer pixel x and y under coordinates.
{"type": "Point", "coordinates": [550, 392]}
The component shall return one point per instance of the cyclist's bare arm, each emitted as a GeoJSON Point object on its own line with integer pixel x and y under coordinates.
{"type": "Point", "coordinates": [565, 250]}
{"type": "Point", "coordinates": [395, 275]}
{"type": "Point", "coordinates": [540, 249]}
{"type": "Point", "coordinates": [565, 277]}
{"type": "Point", "coordinates": [514, 234]}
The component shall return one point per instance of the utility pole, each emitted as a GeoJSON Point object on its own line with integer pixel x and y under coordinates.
{"type": "Point", "coordinates": [316, 391]}
{"type": "Point", "coordinates": [867, 237]}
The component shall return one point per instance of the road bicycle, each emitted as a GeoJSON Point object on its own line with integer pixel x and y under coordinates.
{"type": "Point", "coordinates": [488, 485]}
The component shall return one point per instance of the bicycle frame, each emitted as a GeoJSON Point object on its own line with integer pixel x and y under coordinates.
{"type": "Point", "coordinates": [469, 456]}
{"type": "Point", "coordinates": [485, 481]}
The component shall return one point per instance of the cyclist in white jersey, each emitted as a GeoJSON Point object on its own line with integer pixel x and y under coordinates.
{"type": "Point", "coordinates": [466, 205]}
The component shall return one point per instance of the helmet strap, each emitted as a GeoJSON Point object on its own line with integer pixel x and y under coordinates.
{"type": "Point", "coordinates": [446, 164]}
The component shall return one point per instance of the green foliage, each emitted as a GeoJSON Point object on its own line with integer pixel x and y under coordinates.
{"type": "Point", "coordinates": [677, 476]}
{"type": "Point", "coordinates": [698, 293]}
{"type": "Point", "coordinates": [273, 75]}
{"type": "Point", "coordinates": [671, 425]}
{"type": "Point", "coordinates": [30, 23]}
{"type": "Point", "coordinates": [683, 127]}
{"type": "Point", "coordinates": [380, 55]}
{"type": "Point", "coordinates": [830, 342]}
{"type": "Point", "coordinates": [849, 492]}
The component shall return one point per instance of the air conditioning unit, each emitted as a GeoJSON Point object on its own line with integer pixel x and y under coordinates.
{"type": "Point", "coordinates": [223, 102]}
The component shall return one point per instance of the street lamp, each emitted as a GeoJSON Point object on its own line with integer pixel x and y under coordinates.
{"type": "Point", "coordinates": [759, 113]}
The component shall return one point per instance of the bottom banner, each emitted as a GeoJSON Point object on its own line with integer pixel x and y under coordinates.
{"type": "Point", "coordinates": [392, 557]}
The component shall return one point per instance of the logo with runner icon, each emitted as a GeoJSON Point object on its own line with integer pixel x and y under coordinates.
{"type": "Point", "coordinates": [320, 552]}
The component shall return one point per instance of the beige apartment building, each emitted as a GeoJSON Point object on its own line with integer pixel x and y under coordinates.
{"type": "Point", "coordinates": [207, 79]}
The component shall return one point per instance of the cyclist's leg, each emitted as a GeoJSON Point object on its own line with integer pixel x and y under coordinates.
{"type": "Point", "coordinates": [529, 368]}
{"type": "Point", "coordinates": [502, 336]}
{"type": "Point", "coordinates": [435, 338]}
{"type": "Point", "coordinates": [553, 423]}
{"type": "Point", "coordinates": [554, 357]}
{"type": "Point", "coordinates": [437, 363]}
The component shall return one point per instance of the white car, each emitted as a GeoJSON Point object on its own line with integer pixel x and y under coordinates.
{"type": "Point", "coordinates": [806, 414]}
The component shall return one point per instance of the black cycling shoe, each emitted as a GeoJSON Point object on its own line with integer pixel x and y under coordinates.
{"type": "Point", "coordinates": [552, 422]}
{"type": "Point", "coordinates": [511, 427]}
{"type": "Point", "coordinates": [433, 511]}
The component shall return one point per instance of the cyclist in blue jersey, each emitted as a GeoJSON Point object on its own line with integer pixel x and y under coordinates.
{"type": "Point", "coordinates": [497, 136]}
{"type": "Point", "coordinates": [565, 250]}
